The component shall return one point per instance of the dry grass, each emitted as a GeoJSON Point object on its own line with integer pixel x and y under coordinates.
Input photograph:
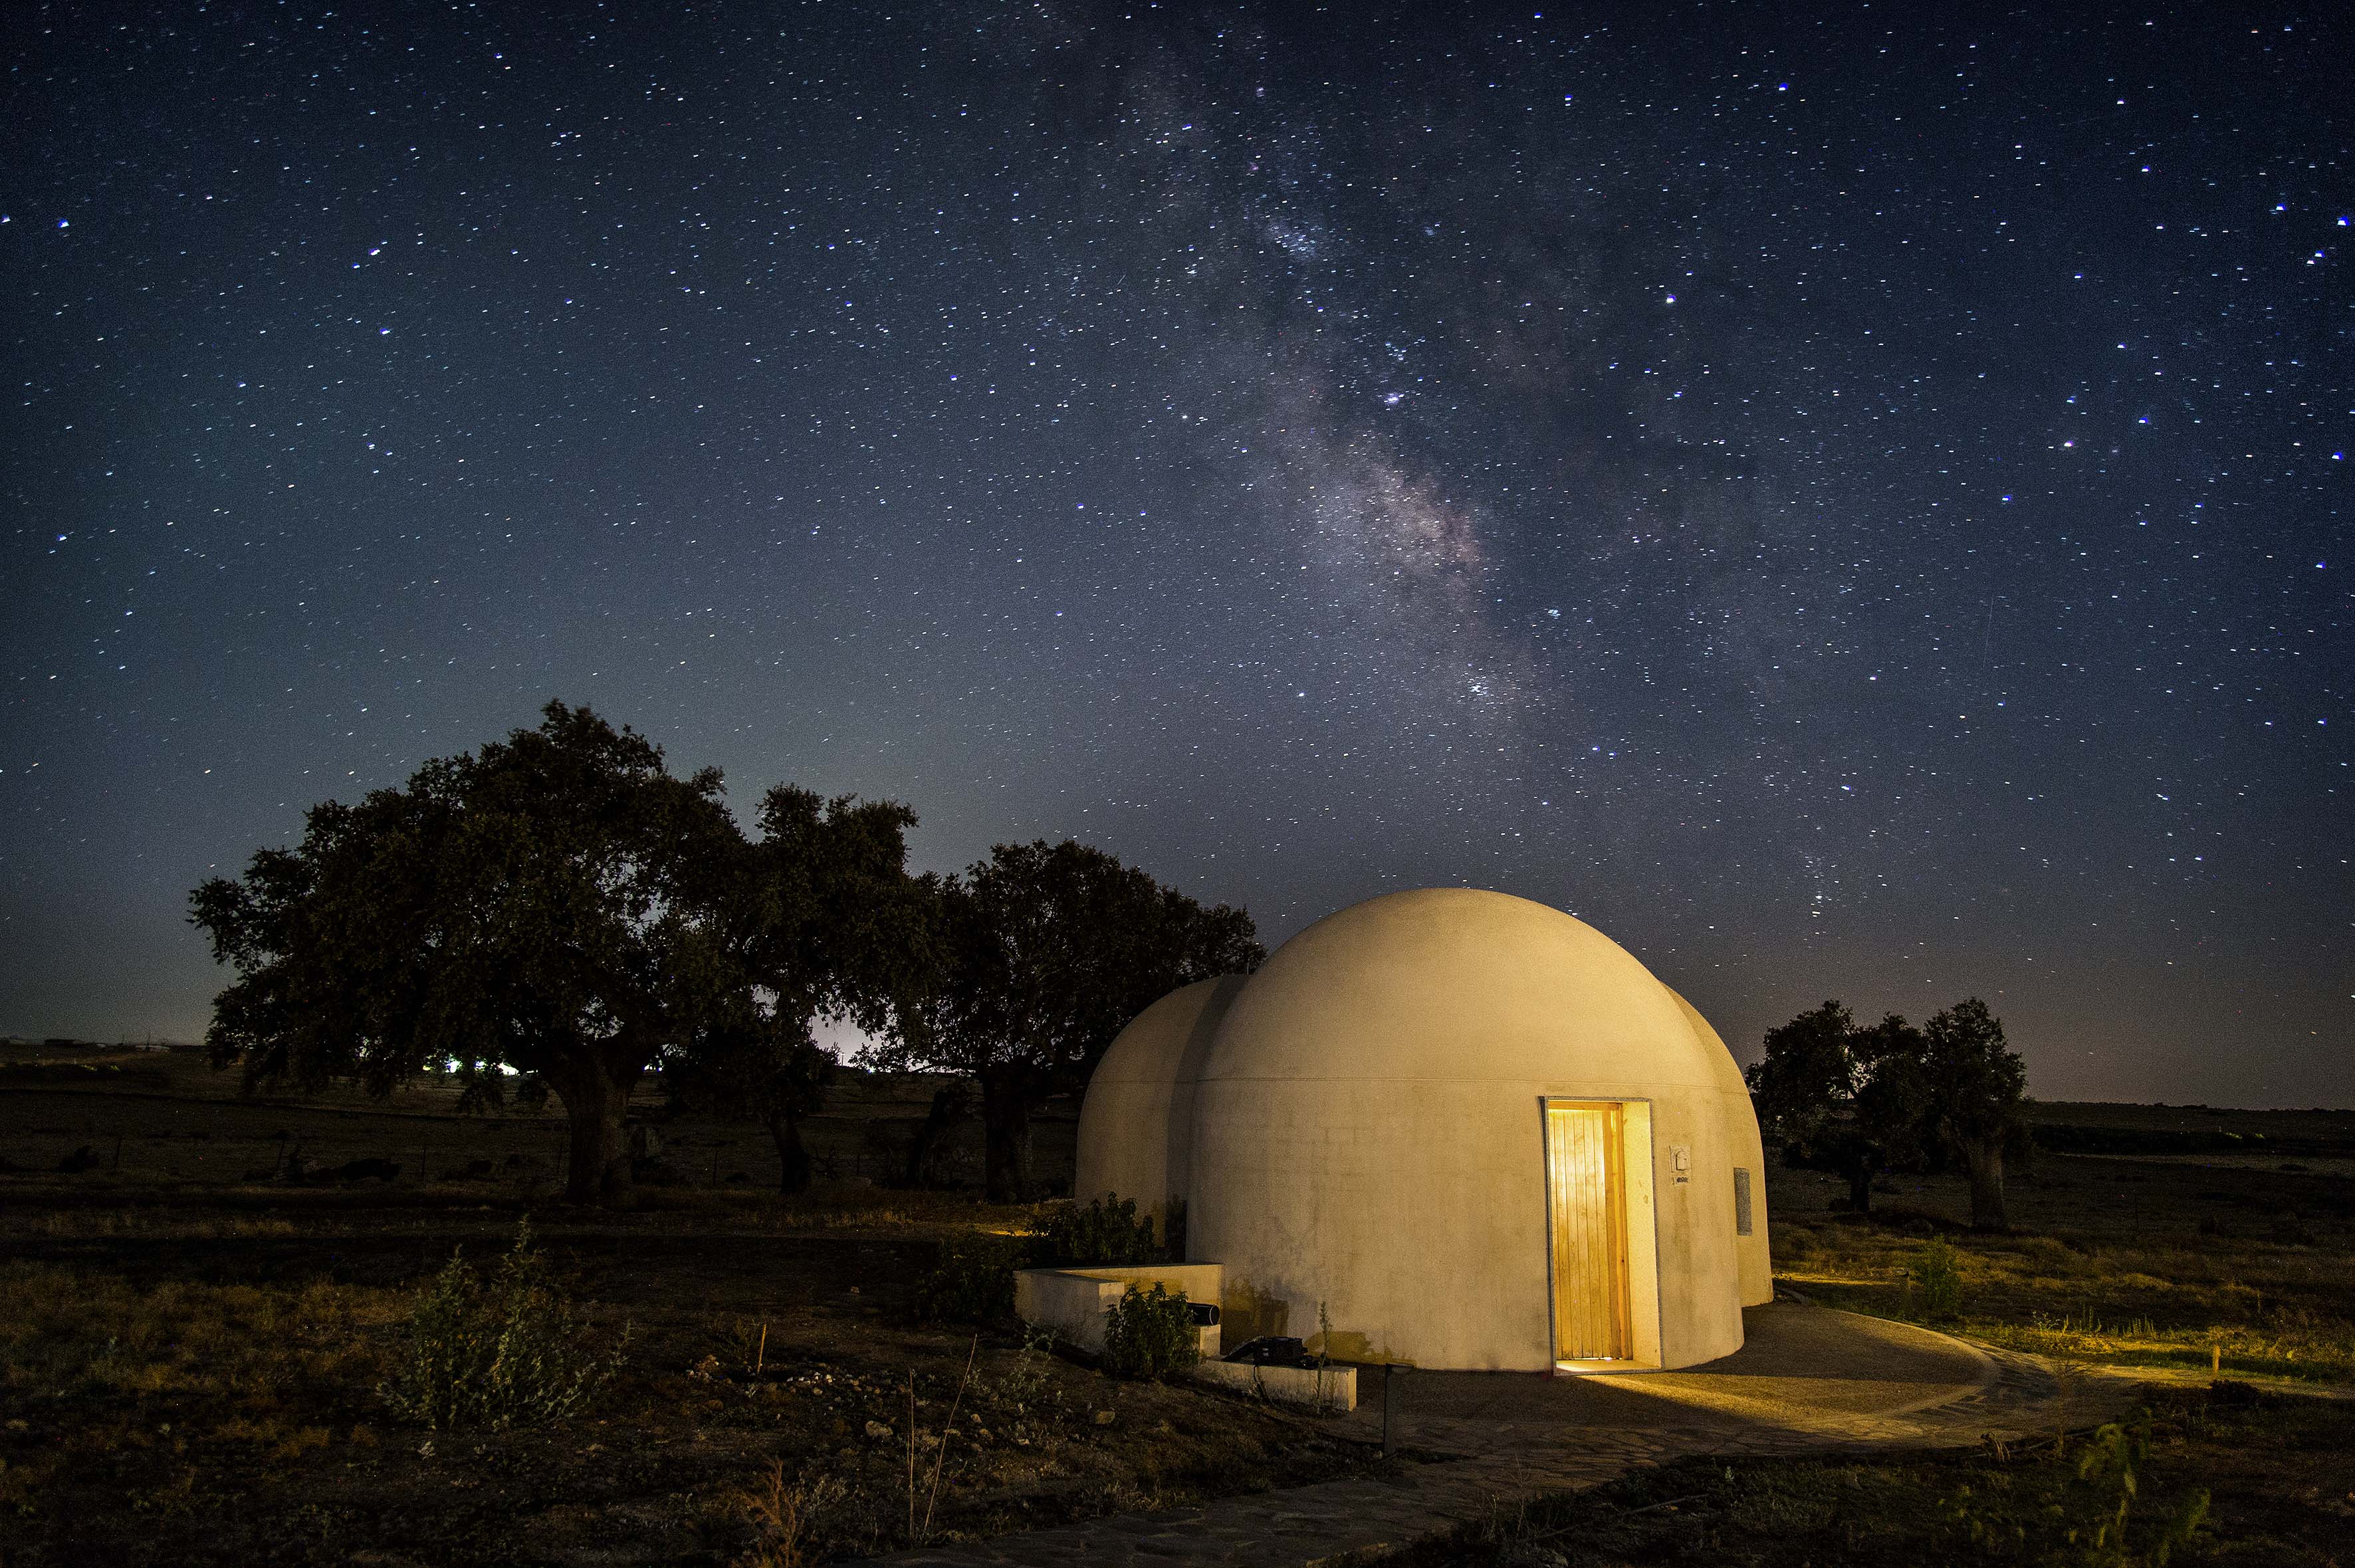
{"type": "Point", "coordinates": [67, 1332]}
{"type": "Point", "coordinates": [2160, 1295]}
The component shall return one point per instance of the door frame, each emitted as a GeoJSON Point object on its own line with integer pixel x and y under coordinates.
{"type": "Point", "coordinates": [1641, 1222]}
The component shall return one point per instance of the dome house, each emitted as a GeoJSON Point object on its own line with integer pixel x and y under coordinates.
{"type": "Point", "coordinates": [1447, 1127]}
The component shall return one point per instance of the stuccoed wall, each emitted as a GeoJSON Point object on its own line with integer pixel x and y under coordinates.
{"type": "Point", "coordinates": [1741, 1134]}
{"type": "Point", "coordinates": [1367, 1133]}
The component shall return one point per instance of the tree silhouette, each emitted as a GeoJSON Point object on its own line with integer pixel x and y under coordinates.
{"type": "Point", "coordinates": [1977, 1087]}
{"type": "Point", "coordinates": [557, 905]}
{"type": "Point", "coordinates": [1049, 950]}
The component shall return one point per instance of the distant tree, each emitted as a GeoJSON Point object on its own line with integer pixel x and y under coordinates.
{"type": "Point", "coordinates": [763, 1072]}
{"type": "Point", "coordinates": [842, 932]}
{"type": "Point", "coordinates": [1891, 1106]}
{"type": "Point", "coordinates": [1047, 951]}
{"type": "Point", "coordinates": [1839, 1097]}
{"type": "Point", "coordinates": [1975, 1087]}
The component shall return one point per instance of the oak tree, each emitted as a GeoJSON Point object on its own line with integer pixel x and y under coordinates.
{"type": "Point", "coordinates": [1977, 1089]}
{"type": "Point", "coordinates": [1047, 952]}
{"type": "Point", "coordinates": [559, 909]}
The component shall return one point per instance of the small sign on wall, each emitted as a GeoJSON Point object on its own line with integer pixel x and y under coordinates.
{"type": "Point", "coordinates": [1681, 1162]}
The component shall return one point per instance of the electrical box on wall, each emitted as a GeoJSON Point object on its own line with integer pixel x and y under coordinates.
{"type": "Point", "coordinates": [1681, 1162]}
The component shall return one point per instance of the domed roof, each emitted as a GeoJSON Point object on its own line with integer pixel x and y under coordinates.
{"type": "Point", "coordinates": [1458, 985]}
{"type": "Point", "coordinates": [1155, 1039]}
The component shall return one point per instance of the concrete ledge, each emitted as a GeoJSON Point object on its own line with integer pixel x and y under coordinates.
{"type": "Point", "coordinates": [1072, 1301]}
{"type": "Point", "coordinates": [1329, 1391]}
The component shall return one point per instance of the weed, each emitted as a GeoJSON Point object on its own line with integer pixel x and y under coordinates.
{"type": "Point", "coordinates": [1149, 1333]}
{"type": "Point", "coordinates": [748, 1342]}
{"type": "Point", "coordinates": [1025, 1383]}
{"type": "Point", "coordinates": [1938, 1274]}
{"type": "Point", "coordinates": [784, 1517]}
{"type": "Point", "coordinates": [500, 1353]}
{"type": "Point", "coordinates": [973, 1282]}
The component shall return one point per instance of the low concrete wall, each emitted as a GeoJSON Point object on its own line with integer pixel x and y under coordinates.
{"type": "Point", "coordinates": [1072, 1301]}
{"type": "Point", "coordinates": [1329, 1391]}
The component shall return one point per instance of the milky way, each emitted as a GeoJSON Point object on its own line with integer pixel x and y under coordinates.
{"type": "Point", "coordinates": [1850, 503]}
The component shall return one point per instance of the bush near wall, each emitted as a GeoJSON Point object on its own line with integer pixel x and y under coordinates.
{"type": "Point", "coordinates": [973, 1282]}
{"type": "Point", "coordinates": [1149, 1333]}
{"type": "Point", "coordinates": [1106, 1233]}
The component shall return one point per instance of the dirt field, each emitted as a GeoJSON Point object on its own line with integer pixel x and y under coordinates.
{"type": "Point", "coordinates": [191, 1345]}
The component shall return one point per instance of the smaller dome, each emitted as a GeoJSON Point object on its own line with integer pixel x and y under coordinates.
{"type": "Point", "coordinates": [1137, 1122]}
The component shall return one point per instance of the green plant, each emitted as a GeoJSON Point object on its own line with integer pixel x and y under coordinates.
{"type": "Point", "coordinates": [1107, 1231]}
{"type": "Point", "coordinates": [973, 1282]}
{"type": "Point", "coordinates": [1937, 1273]}
{"type": "Point", "coordinates": [2110, 1472]}
{"type": "Point", "coordinates": [1149, 1333]}
{"type": "Point", "coordinates": [498, 1353]}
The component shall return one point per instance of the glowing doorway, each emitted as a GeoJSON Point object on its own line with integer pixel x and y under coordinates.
{"type": "Point", "coordinates": [1602, 1279]}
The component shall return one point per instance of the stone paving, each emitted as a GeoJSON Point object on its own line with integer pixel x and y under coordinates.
{"type": "Point", "coordinates": [1810, 1380]}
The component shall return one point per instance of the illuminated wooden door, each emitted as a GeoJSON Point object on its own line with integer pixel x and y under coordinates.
{"type": "Point", "coordinates": [1586, 1204]}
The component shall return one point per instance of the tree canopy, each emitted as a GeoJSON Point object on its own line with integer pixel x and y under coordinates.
{"type": "Point", "coordinates": [1047, 952]}
{"type": "Point", "coordinates": [1862, 1100]}
{"type": "Point", "coordinates": [844, 933]}
{"type": "Point", "coordinates": [559, 904]}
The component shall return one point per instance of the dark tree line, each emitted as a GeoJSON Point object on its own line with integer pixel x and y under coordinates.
{"type": "Point", "coordinates": [559, 913]}
{"type": "Point", "coordinates": [1863, 1099]}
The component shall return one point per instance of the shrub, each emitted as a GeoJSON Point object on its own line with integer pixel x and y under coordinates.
{"type": "Point", "coordinates": [498, 1353]}
{"type": "Point", "coordinates": [1937, 1270]}
{"type": "Point", "coordinates": [1148, 1333]}
{"type": "Point", "coordinates": [973, 1282]}
{"type": "Point", "coordinates": [1107, 1231]}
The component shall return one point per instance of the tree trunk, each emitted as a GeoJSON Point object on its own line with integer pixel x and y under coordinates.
{"type": "Point", "coordinates": [1859, 1189]}
{"type": "Point", "coordinates": [1986, 1161]}
{"type": "Point", "coordinates": [949, 1107]}
{"type": "Point", "coordinates": [1005, 1138]}
{"type": "Point", "coordinates": [599, 1170]}
{"type": "Point", "coordinates": [792, 1158]}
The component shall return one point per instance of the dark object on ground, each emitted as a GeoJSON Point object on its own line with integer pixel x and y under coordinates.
{"type": "Point", "coordinates": [1271, 1350]}
{"type": "Point", "coordinates": [81, 1160]}
{"type": "Point", "coordinates": [472, 1171]}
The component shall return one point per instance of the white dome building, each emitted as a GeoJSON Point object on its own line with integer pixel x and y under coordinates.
{"type": "Point", "coordinates": [1452, 1128]}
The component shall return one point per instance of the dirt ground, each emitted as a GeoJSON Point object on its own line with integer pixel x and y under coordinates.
{"type": "Point", "coordinates": [190, 1349]}
{"type": "Point", "coordinates": [191, 1345]}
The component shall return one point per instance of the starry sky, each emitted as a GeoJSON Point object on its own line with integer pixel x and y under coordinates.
{"type": "Point", "coordinates": [1850, 500]}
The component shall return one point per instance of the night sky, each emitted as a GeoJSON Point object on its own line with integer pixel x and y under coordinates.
{"type": "Point", "coordinates": [1850, 503]}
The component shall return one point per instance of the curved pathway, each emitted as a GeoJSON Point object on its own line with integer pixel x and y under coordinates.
{"type": "Point", "coordinates": [1808, 1381]}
